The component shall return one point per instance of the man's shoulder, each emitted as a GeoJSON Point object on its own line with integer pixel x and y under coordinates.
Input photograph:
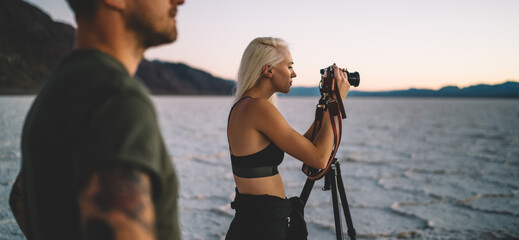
{"type": "Point", "coordinates": [87, 80]}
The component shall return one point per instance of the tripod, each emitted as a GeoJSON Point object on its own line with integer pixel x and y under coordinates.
{"type": "Point", "coordinates": [333, 182]}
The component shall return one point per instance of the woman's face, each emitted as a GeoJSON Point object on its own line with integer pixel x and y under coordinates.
{"type": "Point", "coordinates": [282, 74]}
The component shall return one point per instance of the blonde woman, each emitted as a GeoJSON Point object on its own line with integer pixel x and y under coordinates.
{"type": "Point", "coordinates": [258, 138]}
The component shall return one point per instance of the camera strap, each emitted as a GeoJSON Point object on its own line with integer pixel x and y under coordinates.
{"type": "Point", "coordinates": [328, 103]}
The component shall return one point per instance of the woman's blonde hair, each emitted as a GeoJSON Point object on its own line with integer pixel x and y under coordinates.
{"type": "Point", "coordinates": [260, 52]}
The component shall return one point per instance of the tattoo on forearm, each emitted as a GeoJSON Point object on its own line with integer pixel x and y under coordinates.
{"type": "Point", "coordinates": [120, 190]}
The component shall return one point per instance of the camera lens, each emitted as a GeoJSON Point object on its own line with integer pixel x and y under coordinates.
{"type": "Point", "coordinates": [354, 78]}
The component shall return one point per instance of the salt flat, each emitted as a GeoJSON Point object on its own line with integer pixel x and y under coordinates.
{"type": "Point", "coordinates": [413, 168]}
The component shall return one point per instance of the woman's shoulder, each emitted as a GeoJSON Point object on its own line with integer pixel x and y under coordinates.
{"type": "Point", "coordinates": [255, 109]}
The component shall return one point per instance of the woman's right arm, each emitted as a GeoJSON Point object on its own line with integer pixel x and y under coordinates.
{"type": "Point", "coordinates": [267, 120]}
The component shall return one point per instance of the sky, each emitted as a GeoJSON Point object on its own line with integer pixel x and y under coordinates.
{"type": "Point", "coordinates": [394, 45]}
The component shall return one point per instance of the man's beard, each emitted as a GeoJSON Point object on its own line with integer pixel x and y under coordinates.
{"type": "Point", "coordinates": [146, 33]}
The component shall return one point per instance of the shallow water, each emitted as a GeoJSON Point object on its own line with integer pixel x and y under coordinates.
{"type": "Point", "coordinates": [413, 168]}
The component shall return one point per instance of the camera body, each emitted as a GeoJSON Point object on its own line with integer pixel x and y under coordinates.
{"type": "Point", "coordinates": [326, 82]}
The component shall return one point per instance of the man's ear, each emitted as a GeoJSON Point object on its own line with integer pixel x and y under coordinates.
{"type": "Point", "coordinates": [115, 4]}
{"type": "Point", "coordinates": [267, 70]}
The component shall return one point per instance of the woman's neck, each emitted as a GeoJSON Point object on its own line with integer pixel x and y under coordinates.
{"type": "Point", "coordinates": [261, 90]}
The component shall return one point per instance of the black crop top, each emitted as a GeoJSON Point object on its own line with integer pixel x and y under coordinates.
{"type": "Point", "coordinates": [260, 164]}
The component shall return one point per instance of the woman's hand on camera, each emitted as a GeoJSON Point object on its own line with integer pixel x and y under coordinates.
{"type": "Point", "coordinates": [342, 81]}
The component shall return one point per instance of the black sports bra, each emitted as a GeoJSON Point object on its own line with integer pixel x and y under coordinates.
{"type": "Point", "coordinates": [260, 164]}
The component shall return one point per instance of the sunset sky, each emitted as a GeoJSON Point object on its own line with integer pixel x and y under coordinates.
{"type": "Point", "coordinates": [392, 44]}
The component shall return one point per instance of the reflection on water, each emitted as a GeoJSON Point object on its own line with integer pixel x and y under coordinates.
{"type": "Point", "coordinates": [412, 167]}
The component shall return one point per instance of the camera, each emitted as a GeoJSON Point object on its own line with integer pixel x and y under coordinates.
{"type": "Point", "coordinates": [328, 87]}
{"type": "Point", "coordinates": [353, 78]}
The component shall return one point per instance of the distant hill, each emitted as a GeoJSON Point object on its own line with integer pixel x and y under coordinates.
{"type": "Point", "coordinates": [504, 90]}
{"type": "Point", "coordinates": [178, 78]}
{"type": "Point", "coordinates": [32, 44]}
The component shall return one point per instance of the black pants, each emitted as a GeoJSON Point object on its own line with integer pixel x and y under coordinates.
{"type": "Point", "coordinates": [267, 217]}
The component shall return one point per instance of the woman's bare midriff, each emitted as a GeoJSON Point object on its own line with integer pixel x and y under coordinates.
{"type": "Point", "coordinates": [272, 185]}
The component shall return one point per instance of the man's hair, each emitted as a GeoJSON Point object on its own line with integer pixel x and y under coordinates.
{"type": "Point", "coordinates": [259, 52]}
{"type": "Point", "coordinates": [83, 8]}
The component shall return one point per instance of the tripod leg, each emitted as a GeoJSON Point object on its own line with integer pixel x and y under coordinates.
{"type": "Point", "coordinates": [344, 201]}
{"type": "Point", "coordinates": [332, 174]}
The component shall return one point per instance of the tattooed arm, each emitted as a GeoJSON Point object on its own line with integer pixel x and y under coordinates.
{"type": "Point", "coordinates": [116, 204]}
{"type": "Point", "coordinates": [16, 203]}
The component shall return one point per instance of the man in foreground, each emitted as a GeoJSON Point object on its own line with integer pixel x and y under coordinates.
{"type": "Point", "coordinates": [94, 164]}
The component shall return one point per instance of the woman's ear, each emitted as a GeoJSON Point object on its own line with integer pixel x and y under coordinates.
{"type": "Point", "coordinates": [267, 70]}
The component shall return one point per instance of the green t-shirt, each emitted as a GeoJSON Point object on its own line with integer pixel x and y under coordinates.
{"type": "Point", "coordinates": [91, 114]}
